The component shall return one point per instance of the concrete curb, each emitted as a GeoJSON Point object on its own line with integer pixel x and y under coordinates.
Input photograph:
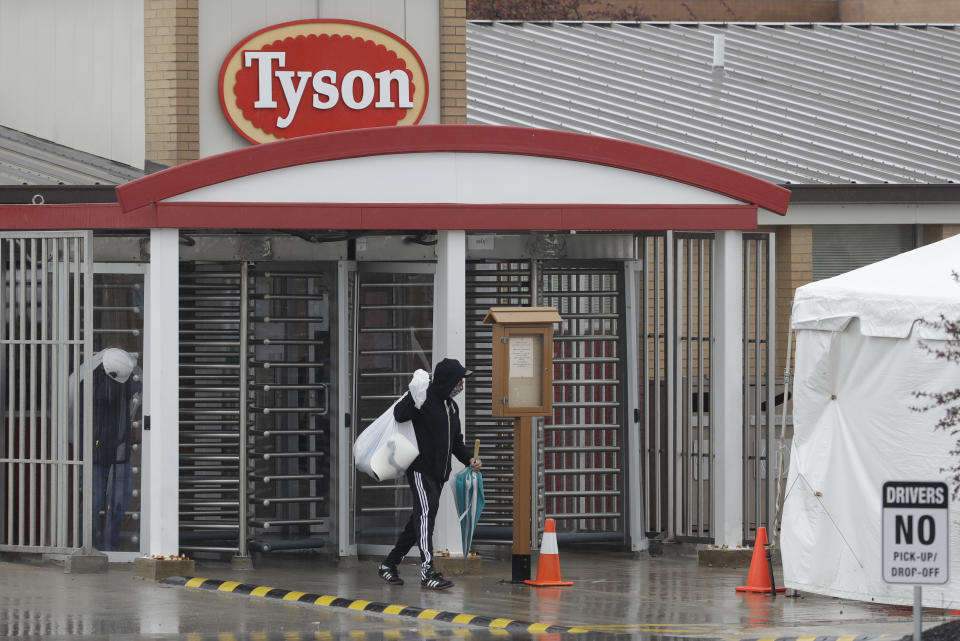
{"type": "Point", "coordinates": [359, 605]}
{"type": "Point", "coordinates": [502, 625]}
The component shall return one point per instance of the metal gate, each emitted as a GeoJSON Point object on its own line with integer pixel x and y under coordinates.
{"type": "Point", "coordinates": [392, 337]}
{"type": "Point", "coordinates": [46, 350]}
{"type": "Point", "coordinates": [676, 333]}
{"type": "Point", "coordinates": [582, 482]}
{"type": "Point", "coordinates": [759, 375]}
{"type": "Point", "coordinates": [693, 329]}
{"type": "Point", "coordinates": [254, 407]}
{"type": "Point", "coordinates": [584, 475]}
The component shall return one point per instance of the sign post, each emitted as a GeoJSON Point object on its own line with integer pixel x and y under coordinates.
{"type": "Point", "coordinates": [916, 537]}
{"type": "Point", "coordinates": [522, 388]}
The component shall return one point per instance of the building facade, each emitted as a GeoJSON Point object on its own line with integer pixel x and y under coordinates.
{"type": "Point", "coordinates": [277, 296]}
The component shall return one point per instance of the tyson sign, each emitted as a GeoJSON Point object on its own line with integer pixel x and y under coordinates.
{"type": "Point", "coordinates": [315, 76]}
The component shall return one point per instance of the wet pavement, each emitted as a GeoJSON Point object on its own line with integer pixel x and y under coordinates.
{"type": "Point", "coordinates": [614, 596]}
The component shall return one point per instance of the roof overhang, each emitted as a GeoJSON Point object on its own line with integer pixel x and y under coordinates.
{"type": "Point", "coordinates": [437, 177]}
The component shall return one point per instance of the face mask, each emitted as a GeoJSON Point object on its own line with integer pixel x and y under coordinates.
{"type": "Point", "coordinates": [457, 389]}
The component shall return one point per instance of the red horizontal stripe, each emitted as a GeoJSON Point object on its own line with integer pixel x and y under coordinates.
{"type": "Point", "coordinates": [80, 216]}
{"type": "Point", "coordinates": [428, 216]}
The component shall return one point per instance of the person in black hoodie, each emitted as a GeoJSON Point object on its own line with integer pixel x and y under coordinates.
{"type": "Point", "coordinates": [437, 424]}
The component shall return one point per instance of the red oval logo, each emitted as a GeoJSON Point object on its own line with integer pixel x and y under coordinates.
{"type": "Point", "coordinates": [315, 76]}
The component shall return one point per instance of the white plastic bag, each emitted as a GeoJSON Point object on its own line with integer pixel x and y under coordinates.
{"type": "Point", "coordinates": [386, 448]}
{"type": "Point", "coordinates": [418, 387]}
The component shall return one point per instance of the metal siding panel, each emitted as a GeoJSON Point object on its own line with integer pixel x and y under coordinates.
{"type": "Point", "coordinates": [73, 103]}
{"type": "Point", "coordinates": [841, 248]}
{"type": "Point", "coordinates": [797, 104]}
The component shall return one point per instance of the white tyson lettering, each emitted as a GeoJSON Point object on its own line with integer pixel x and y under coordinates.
{"type": "Point", "coordinates": [327, 93]}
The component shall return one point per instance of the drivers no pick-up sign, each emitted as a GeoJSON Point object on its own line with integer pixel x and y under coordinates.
{"type": "Point", "coordinates": [916, 532]}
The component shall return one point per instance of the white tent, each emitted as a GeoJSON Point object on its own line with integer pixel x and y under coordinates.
{"type": "Point", "coordinates": [858, 362]}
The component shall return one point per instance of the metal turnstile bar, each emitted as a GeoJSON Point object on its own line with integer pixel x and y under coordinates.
{"type": "Point", "coordinates": [277, 455]}
{"type": "Point", "coordinates": [269, 478]}
{"type": "Point", "coordinates": [268, 523]}
{"type": "Point", "coordinates": [284, 432]}
{"type": "Point", "coordinates": [266, 502]}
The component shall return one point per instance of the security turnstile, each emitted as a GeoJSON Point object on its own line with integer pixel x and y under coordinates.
{"type": "Point", "coordinates": [392, 336]}
{"type": "Point", "coordinates": [255, 405]}
{"type": "Point", "coordinates": [581, 448]}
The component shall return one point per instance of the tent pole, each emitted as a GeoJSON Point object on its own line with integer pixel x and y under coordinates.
{"type": "Point", "coordinates": [787, 382]}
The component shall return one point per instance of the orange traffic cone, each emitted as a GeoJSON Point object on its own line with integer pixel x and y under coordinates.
{"type": "Point", "coordinates": [548, 567]}
{"type": "Point", "coordinates": [759, 578]}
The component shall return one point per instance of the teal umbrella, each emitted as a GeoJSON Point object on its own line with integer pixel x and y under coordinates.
{"type": "Point", "coordinates": [468, 492]}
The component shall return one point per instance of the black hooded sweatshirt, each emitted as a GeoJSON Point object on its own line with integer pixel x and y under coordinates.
{"type": "Point", "coordinates": [436, 423]}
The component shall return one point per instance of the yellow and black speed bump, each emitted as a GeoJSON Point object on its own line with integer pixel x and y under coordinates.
{"type": "Point", "coordinates": [358, 605]}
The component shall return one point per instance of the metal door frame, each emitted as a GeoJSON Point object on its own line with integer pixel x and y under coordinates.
{"type": "Point", "coordinates": [80, 343]}
{"type": "Point", "coordinates": [343, 423]}
{"type": "Point", "coordinates": [759, 364]}
{"type": "Point", "coordinates": [348, 511]}
{"type": "Point", "coordinates": [114, 556]}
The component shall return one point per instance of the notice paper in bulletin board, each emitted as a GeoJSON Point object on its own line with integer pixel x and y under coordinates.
{"type": "Point", "coordinates": [526, 372]}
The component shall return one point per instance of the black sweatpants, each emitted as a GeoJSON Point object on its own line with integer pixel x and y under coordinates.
{"type": "Point", "coordinates": [419, 529]}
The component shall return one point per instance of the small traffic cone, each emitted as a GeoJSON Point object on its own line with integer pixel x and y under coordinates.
{"type": "Point", "coordinates": [759, 578]}
{"type": "Point", "coordinates": [548, 567]}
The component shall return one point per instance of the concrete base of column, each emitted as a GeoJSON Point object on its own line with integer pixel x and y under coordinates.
{"type": "Point", "coordinates": [458, 566]}
{"type": "Point", "coordinates": [730, 557]}
{"type": "Point", "coordinates": [85, 562]}
{"type": "Point", "coordinates": [149, 569]}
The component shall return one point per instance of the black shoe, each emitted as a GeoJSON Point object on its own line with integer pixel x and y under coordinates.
{"type": "Point", "coordinates": [388, 572]}
{"type": "Point", "coordinates": [433, 580]}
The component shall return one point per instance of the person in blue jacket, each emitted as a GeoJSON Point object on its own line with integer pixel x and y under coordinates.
{"type": "Point", "coordinates": [436, 421]}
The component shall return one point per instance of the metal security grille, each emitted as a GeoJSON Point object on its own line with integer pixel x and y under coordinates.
{"type": "Point", "coordinates": [840, 248]}
{"type": "Point", "coordinates": [46, 287]}
{"type": "Point", "coordinates": [676, 332]}
{"type": "Point", "coordinates": [393, 336]}
{"type": "Point", "coordinates": [584, 476]}
{"type": "Point", "coordinates": [693, 276]}
{"type": "Point", "coordinates": [654, 433]}
{"type": "Point", "coordinates": [491, 284]}
{"type": "Point", "coordinates": [212, 418]}
{"type": "Point", "coordinates": [759, 411]}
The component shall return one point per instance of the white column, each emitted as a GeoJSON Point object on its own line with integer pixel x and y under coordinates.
{"type": "Point", "coordinates": [162, 398]}
{"type": "Point", "coordinates": [727, 389]}
{"type": "Point", "coordinates": [634, 274]}
{"type": "Point", "coordinates": [449, 341]}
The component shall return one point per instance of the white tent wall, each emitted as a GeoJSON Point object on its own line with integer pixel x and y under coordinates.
{"type": "Point", "coordinates": [854, 430]}
{"type": "Point", "coordinates": [858, 361]}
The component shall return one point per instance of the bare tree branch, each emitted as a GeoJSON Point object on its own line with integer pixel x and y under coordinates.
{"type": "Point", "coordinates": [948, 401]}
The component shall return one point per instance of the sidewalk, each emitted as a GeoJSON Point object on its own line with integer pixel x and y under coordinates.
{"type": "Point", "coordinates": [644, 597]}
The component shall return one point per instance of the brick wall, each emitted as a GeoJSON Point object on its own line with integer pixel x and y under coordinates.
{"type": "Point", "coordinates": [899, 10]}
{"type": "Point", "coordinates": [933, 233]}
{"type": "Point", "coordinates": [728, 10]}
{"type": "Point", "coordinates": [794, 269]}
{"type": "Point", "coordinates": [453, 61]}
{"type": "Point", "coordinates": [171, 81]}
